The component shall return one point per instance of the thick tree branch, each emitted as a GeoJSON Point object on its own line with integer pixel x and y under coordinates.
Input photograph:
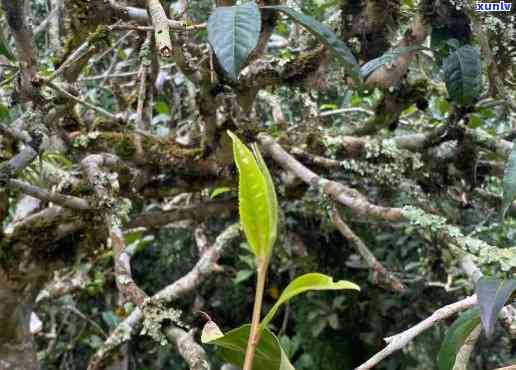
{"type": "Point", "coordinates": [24, 39]}
{"type": "Point", "coordinates": [106, 191]}
{"type": "Point", "coordinates": [360, 206]}
{"type": "Point", "coordinates": [196, 211]}
{"type": "Point", "coordinates": [124, 279]}
{"type": "Point", "coordinates": [49, 195]}
{"type": "Point", "coordinates": [206, 265]}
{"type": "Point", "coordinates": [341, 193]}
{"type": "Point", "coordinates": [392, 73]}
{"type": "Point", "coordinates": [188, 348]}
{"type": "Point", "coordinates": [25, 157]}
{"type": "Point", "coordinates": [160, 23]}
{"type": "Point", "coordinates": [62, 285]}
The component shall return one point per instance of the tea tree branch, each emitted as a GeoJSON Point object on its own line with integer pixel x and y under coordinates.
{"type": "Point", "coordinates": [254, 335]}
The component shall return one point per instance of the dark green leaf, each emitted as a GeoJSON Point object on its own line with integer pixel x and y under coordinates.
{"type": "Point", "coordinates": [463, 75]}
{"type": "Point", "coordinates": [269, 354]}
{"type": "Point", "coordinates": [326, 36]}
{"type": "Point", "coordinates": [492, 294]}
{"type": "Point", "coordinates": [455, 337]}
{"type": "Point", "coordinates": [438, 37]}
{"type": "Point", "coordinates": [233, 32]}
{"type": "Point", "coordinates": [509, 182]}
{"type": "Point", "coordinates": [388, 57]}
{"type": "Point", "coordinates": [440, 40]}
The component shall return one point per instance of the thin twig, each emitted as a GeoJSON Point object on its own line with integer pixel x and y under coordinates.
{"type": "Point", "coordinates": [9, 79]}
{"type": "Point", "coordinates": [140, 124]}
{"type": "Point", "coordinates": [99, 110]}
{"type": "Point", "coordinates": [122, 74]}
{"type": "Point", "coordinates": [381, 273]}
{"type": "Point", "coordinates": [346, 110]}
{"type": "Point", "coordinates": [49, 195]}
{"type": "Point", "coordinates": [142, 92]}
{"type": "Point", "coordinates": [44, 24]}
{"type": "Point", "coordinates": [113, 47]}
{"type": "Point", "coordinates": [72, 58]}
{"type": "Point", "coordinates": [398, 341]}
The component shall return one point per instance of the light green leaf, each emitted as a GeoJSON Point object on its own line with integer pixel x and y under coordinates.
{"type": "Point", "coordinates": [272, 199]}
{"type": "Point", "coordinates": [269, 354]}
{"type": "Point", "coordinates": [326, 36]}
{"type": "Point", "coordinates": [312, 281]}
{"type": "Point", "coordinates": [161, 107]}
{"type": "Point", "coordinates": [492, 295]}
{"type": "Point", "coordinates": [218, 191]}
{"type": "Point", "coordinates": [133, 236]}
{"type": "Point", "coordinates": [463, 75]}
{"type": "Point", "coordinates": [233, 32]}
{"type": "Point", "coordinates": [509, 182]}
{"type": "Point", "coordinates": [257, 199]}
{"type": "Point", "coordinates": [243, 275]}
{"type": "Point", "coordinates": [444, 106]}
{"type": "Point", "coordinates": [455, 338]}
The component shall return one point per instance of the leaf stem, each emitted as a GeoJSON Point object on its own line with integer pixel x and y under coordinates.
{"type": "Point", "coordinates": [254, 335]}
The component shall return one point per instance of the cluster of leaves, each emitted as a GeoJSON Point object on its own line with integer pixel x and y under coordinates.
{"type": "Point", "coordinates": [258, 208]}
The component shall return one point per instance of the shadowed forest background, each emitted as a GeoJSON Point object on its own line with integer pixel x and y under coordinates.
{"type": "Point", "coordinates": [387, 128]}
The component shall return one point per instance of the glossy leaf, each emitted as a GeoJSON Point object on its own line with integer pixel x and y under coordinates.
{"type": "Point", "coordinates": [463, 75]}
{"type": "Point", "coordinates": [388, 57]}
{"type": "Point", "coordinates": [233, 32]}
{"type": "Point", "coordinates": [312, 281]}
{"type": "Point", "coordinates": [509, 182]}
{"type": "Point", "coordinates": [272, 199]}
{"type": "Point", "coordinates": [492, 295]}
{"type": "Point", "coordinates": [326, 36]}
{"type": "Point", "coordinates": [455, 338]}
{"type": "Point", "coordinates": [233, 344]}
{"type": "Point", "coordinates": [256, 198]}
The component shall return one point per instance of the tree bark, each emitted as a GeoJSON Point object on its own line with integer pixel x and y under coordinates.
{"type": "Point", "coordinates": [17, 349]}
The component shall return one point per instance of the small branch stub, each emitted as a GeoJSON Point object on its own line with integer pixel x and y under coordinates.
{"type": "Point", "coordinates": [161, 26]}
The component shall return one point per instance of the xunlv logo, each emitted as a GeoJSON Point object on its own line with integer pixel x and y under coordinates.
{"type": "Point", "coordinates": [493, 7]}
